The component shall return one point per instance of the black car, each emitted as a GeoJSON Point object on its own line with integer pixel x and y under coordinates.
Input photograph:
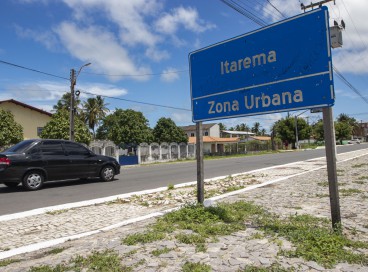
{"type": "Point", "coordinates": [33, 162]}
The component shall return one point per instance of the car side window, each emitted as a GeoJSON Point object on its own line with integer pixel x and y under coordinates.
{"type": "Point", "coordinates": [51, 148]}
{"type": "Point", "coordinates": [76, 149]}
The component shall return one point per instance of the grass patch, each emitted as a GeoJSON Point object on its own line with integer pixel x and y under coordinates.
{"type": "Point", "coordinates": [98, 261]}
{"type": "Point", "coordinates": [322, 195]}
{"type": "Point", "coordinates": [57, 212]}
{"type": "Point", "coordinates": [314, 240]}
{"type": "Point", "coordinates": [170, 187]}
{"type": "Point", "coordinates": [323, 183]}
{"type": "Point", "coordinates": [196, 267]}
{"type": "Point", "coordinates": [158, 252]}
{"type": "Point", "coordinates": [55, 251]}
{"type": "Point", "coordinates": [350, 192]}
{"type": "Point", "coordinates": [7, 262]}
{"type": "Point", "coordinates": [48, 268]}
{"type": "Point", "coordinates": [203, 222]}
{"type": "Point", "coordinates": [359, 165]}
{"type": "Point", "coordinates": [363, 178]}
{"type": "Point", "coordinates": [118, 201]}
{"type": "Point", "coordinates": [272, 268]}
{"type": "Point", "coordinates": [359, 182]}
{"type": "Point", "coordinates": [144, 238]}
{"type": "Point", "coordinates": [233, 188]}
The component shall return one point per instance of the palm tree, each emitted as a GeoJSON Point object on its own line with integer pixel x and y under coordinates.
{"type": "Point", "coordinates": [94, 110]}
{"type": "Point", "coordinates": [64, 103]}
{"type": "Point", "coordinates": [256, 128]}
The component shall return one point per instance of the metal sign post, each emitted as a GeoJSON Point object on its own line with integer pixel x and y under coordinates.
{"type": "Point", "coordinates": [330, 144]}
{"type": "Point", "coordinates": [199, 155]}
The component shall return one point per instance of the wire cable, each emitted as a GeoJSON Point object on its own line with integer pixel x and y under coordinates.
{"type": "Point", "coordinates": [137, 75]}
{"type": "Point", "coordinates": [135, 101]}
{"type": "Point", "coordinates": [31, 69]}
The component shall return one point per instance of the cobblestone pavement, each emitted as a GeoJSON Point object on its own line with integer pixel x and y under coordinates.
{"type": "Point", "coordinates": [284, 190]}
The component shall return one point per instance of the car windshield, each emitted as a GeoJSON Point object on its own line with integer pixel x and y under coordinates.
{"type": "Point", "coordinates": [20, 147]}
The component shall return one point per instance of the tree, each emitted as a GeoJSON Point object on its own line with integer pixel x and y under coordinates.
{"type": "Point", "coordinates": [285, 129]}
{"type": "Point", "coordinates": [125, 127]}
{"type": "Point", "coordinates": [256, 128]}
{"type": "Point", "coordinates": [10, 131]}
{"type": "Point", "coordinates": [241, 127]}
{"type": "Point", "coordinates": [167, 131]}
{"type": "Point", "coordinates": [93, 112]}
{"type": "Point", "coordinates": [222, 126]}
{"type": "Point", "coordinates": [342, 131]}
{"type": "Point", "coordinates": [354, 125]}
{"type": "Point", "coordinates": [318, 131]}
{"type": "Point", "coordinates": [58, 128]}
{"type": "Point", "coordinates": [64, 103]}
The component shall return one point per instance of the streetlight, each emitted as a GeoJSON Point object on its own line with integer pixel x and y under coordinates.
{"type": "Point", "coordinates": [296, 130]}
{"type": "Point", "coordinates": [73, 81]}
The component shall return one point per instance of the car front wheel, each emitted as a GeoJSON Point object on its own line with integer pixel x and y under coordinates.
{"type": "Point", "coordinates": [107, 173]}
{"type": "Point", "coordinates": [33, 180]}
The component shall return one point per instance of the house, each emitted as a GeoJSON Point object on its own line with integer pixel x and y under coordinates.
{"type": "Point", "coordinates": [208, 130]}
{"type": "Point", "coordinates": [30, 118]}
{"type": "Point", "coordinates": [238, 134]}
{"type": "Point", "coordinates": [259, 138]}
{"type": "Point", "coordinates": [215, 144]}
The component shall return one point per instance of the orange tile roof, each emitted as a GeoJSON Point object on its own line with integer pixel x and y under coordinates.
{"type": "Point", "coordinates": [210, 139]}
{"type": "Point", "coordinates": [261, 138]}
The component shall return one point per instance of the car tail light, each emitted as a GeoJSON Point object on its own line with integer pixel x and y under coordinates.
{"type": "Point", "coordinates": [5, 161]}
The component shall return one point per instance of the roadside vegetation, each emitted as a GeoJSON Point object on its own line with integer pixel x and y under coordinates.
{"type": "Point", "coordinates": [312, 238]}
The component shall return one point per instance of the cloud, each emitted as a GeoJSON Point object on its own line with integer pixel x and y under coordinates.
{"type": "Point", "coordinates": [169, 75]}
{"type": "Point", "coordinates": [52, 91]}
{"type": "Point", "coordinates": [99, 46]}
{"type": "Point", "coordinates": [182, 118]}
{"type": "Point", "coordinates": [128, 15]}
{"type": "Point", "coordinates": [47, 38]}
{"type": "Point", "coordinates": [103, 89]}
{"type": "Point", "coordinates": [181, 16]}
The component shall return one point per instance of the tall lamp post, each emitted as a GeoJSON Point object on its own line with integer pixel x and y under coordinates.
{"type": "Point", "coordinates": [73, 82]}
{"type": "Point", "coordinates": [296, 130]}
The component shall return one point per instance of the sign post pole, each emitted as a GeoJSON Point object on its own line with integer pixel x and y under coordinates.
{"type": "Point", "coordinates": [330, 144]}
{"type": "Point", "coordinates": [199, 155]}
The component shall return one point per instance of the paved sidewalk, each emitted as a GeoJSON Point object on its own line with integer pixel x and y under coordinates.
{"type": "Point", "coordinates": [283, 190]}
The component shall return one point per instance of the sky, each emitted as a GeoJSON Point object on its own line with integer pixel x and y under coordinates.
{"type": "Point", "coordinates": [139, 50]}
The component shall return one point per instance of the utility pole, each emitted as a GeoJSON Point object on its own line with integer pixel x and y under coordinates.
{"type": "Point", "coordinates": [318, 4]}
{"type": "Point", "coordinates": [73, 81]}
{"type": "Point", "coordinates": [296, 133]}
{"type": "Point", "coordinates": [72, 111]}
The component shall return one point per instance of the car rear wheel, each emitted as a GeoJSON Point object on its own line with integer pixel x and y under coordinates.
{"type": "Point", "coordinates": [107, 173]}
{"type": "Point", "coordinates": [33, 180]}
{"type": "Point", "coordinates": [11, 184]}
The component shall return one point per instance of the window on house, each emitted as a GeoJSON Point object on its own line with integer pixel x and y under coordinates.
{"type": "Point", "coordinates": [39, 131]}
{"type": "Point", "coordinates": [191, 134]}
{"type": "Point", "coordinates": [206, 133]}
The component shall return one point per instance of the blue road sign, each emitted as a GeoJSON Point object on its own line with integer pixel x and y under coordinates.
{"type": "Point", "coordinates": [282, 67]}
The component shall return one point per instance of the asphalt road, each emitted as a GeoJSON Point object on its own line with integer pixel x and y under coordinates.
{"type": "Point", "coordinates": [139, 178]}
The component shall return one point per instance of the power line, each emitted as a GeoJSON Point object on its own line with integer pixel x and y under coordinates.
{"type": "Point", "coordinates": [276, 9]}
{"type": "Point", "coordinates": [343, 79]}
{"type": "Point", "coordinates": [135, 101]}
{"type": "Point", "coordinates": [256, 19]}
{"type": "Point", "coordinates": [138, 75]}
{"type": "Point", "coordinates": [31, 69]}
